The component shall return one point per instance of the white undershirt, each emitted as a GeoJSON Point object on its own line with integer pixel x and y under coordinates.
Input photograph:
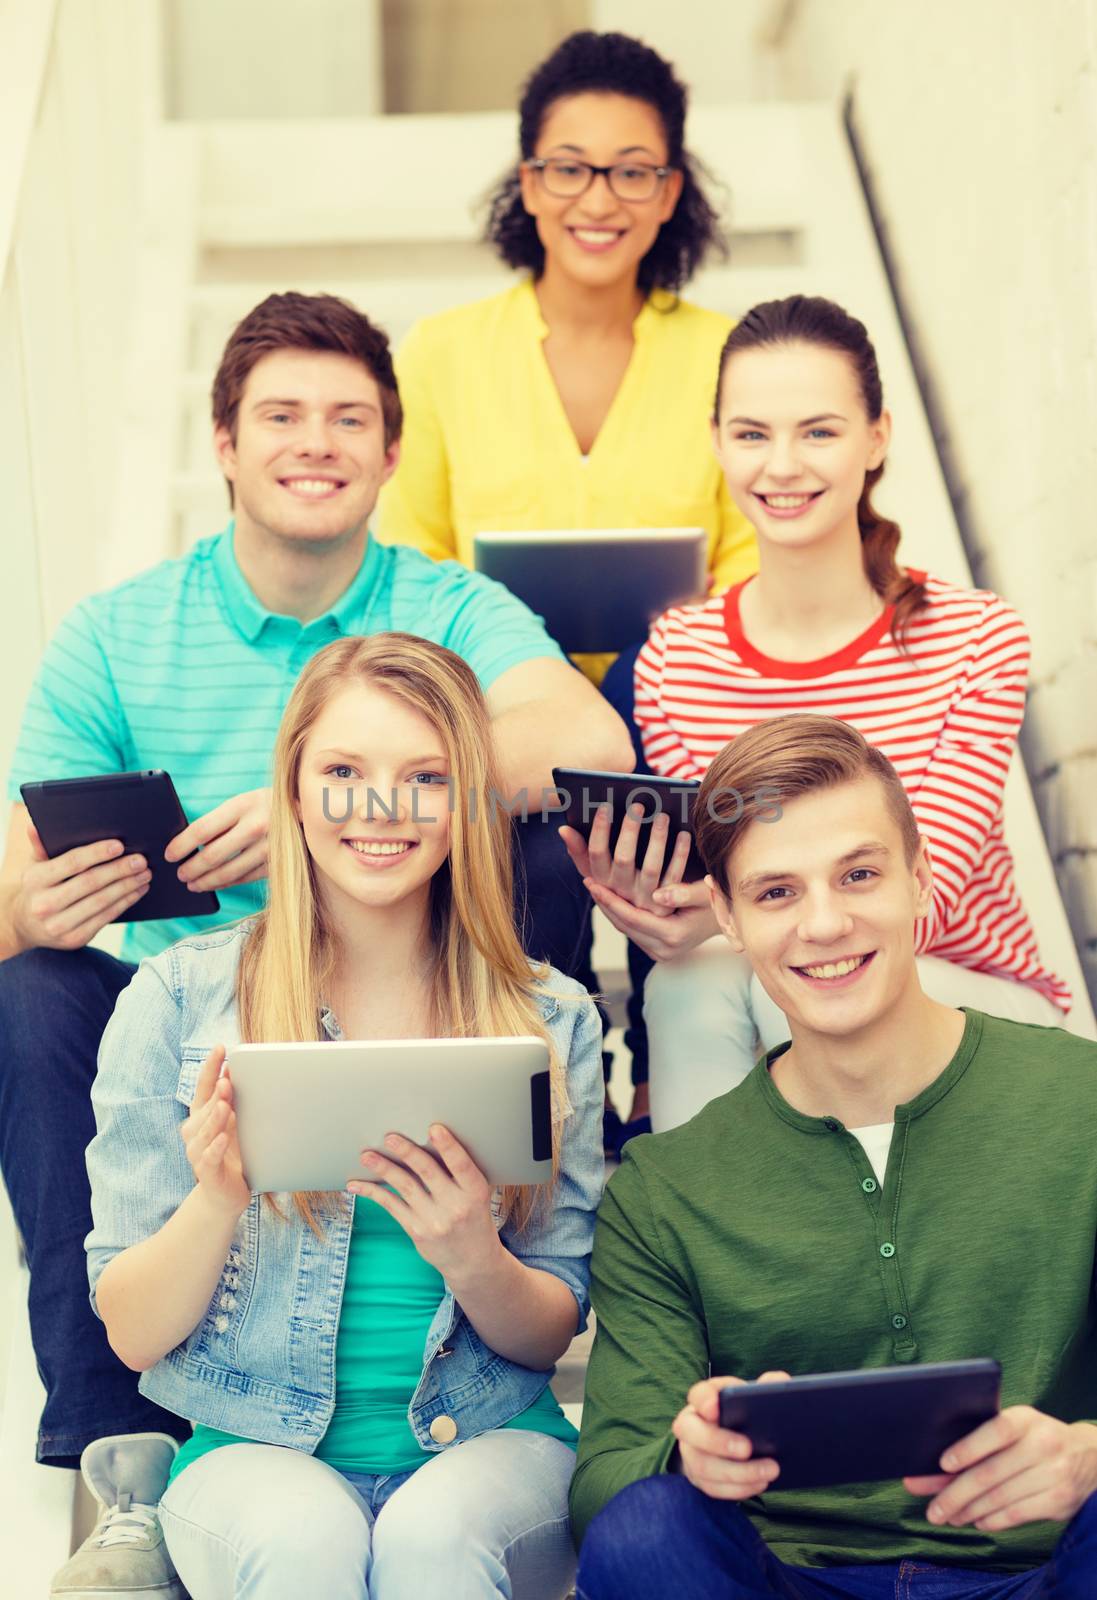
{"type": "Point", "coordinates": [876, 1142]}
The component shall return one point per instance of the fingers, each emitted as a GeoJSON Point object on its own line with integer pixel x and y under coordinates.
{"type": "Point", "coordinates": [649, 875]}
{"type": "Point", "coordinates": [929, 1485]}
{"type": "Point", "coordinates": [1030, 1483]}
{"type": "Point", "coordinates": [679, 857]}
{"type": "Point", "coordinates": [457, 1161]}
{"type": "Point", "coordinates": [623, 868]}
{"type": "Point", "coordinates": [998, 1434]}
{"type": "Point", "coordinates": [67, 917]}
{"type": "Point", "coordinates": [598, 845]}
{"type": "Point", "coordinates": [204, 829]}
{"type": "Point", "coordinates": [682, 896]}
{"type": "Point", "coordinates": [412, 1184]}
{"type": "Point", "coordinates": [202, 872]}
{"type": "Point", "coordinates": [207, 1077]}
{"type": "Point", "coordinates": [690, 1428]}
{"type": "Point", "coordinates": [719, 1462]}
{"type": "Point", "coordinates": [38, 849]}
{"type": "Point", "coordinates": [72, 863]}
{"type": "Point", "coordinates": [576, 847]}
{"type": "Point", "coordinates": [704, 1397]}
{"type": "Point", "coordinates": [213, 1124]}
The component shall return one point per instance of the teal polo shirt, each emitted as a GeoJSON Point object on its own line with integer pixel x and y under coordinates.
{"type": "Point", "coordinates": [181, 667]}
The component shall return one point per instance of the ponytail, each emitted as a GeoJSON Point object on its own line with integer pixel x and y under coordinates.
{"type": "Point", "coordinates": [879, 542]}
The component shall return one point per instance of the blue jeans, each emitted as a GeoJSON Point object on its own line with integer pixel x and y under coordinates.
{"type": "Point", "coordinates": [54, 1006]}
{"type": "Point", "coordinates": [661, 1536]}
{"type": "Point", "coordinates": [483, 1519]}
{"type": "Point", "coordinates": [618, 687]}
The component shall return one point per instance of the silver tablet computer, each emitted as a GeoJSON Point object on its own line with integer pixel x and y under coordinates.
{"type": "Point", "coordinates": [598, 588]}
{"type": "Point", "coordinates": [305, 1112]}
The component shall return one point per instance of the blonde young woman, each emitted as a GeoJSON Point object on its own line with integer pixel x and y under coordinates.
{"type": "Point", "coordinates": [366, 1371]}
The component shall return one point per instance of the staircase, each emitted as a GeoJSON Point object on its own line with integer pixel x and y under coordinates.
{"type": "Point", "coordinates": [380, 210]}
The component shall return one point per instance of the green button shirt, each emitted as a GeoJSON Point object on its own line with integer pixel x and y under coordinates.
{"type": "Point", "coordinates": [750, 1239]}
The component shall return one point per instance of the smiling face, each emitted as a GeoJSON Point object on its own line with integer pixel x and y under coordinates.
{"type": "Point", "coordinates": [597, 239]}
{"type": "Point", "coordinates": [795, 441]}
{"type": "Point", "coordinates": [824, 903]}
{"type": "Point", "coordinates": [384, 842]}
{"type": "Point", "coordinates": [309, 456]}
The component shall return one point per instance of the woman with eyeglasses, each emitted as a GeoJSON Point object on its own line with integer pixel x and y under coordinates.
{"type": "Point", "coordinates": [571, 399]}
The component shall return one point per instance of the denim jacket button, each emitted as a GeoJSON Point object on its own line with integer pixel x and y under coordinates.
{"type": "Point", "coordinates": [443, 1430]}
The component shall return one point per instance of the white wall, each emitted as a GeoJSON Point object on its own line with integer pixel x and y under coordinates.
{"type": "Point", "coordinates": [253, 58]}
{"type": "Point", "coordinates": [72, 111]}
{"type": "Point", "coordinates": [979, 125]}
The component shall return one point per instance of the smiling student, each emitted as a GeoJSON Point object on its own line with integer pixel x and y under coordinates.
{"type": "Point", "coordinates": [405, 1427]}
{"type": "Point", "coordinates": [188, 666]}
{"type": "Point", "coordinates": [572, 399]}
{"type": "Point", "coordinates": [576, 397]}
{"type": "Point", "coordinates": [903, 1182]}
{"type": "Point", "coordinates": [932, 673]}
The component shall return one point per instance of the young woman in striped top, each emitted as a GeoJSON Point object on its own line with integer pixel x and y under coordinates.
{"type": "Point", "coordinates": [931, 673]}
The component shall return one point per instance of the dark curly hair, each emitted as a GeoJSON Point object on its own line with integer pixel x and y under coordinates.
{"type": "Point", "coordinates": [610, 63]}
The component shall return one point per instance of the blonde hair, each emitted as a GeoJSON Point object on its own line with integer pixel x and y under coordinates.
{"type": "Point", "coordinates": [482, 981]}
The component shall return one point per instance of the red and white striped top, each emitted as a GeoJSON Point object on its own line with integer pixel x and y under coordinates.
{"type": "Point", "coordinates": [946, 714]}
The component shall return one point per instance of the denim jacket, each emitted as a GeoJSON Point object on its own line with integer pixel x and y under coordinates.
{"type": "Point", "coordinates": [261, 1362]}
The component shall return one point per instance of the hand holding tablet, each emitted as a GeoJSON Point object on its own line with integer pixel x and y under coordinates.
{"type": "Point", "coordinates": [81, 817]}
{"type": "Point", "coordinates": [737, 1439]}
{"type": "Point", "coordinates": [491, 1094]}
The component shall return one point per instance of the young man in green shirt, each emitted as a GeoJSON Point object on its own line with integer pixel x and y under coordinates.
{"type": "Point", "coordinates": [903, 1182]}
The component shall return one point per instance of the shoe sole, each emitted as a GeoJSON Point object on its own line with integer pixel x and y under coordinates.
{"type": "Point", "coordinates": [163, 1591]}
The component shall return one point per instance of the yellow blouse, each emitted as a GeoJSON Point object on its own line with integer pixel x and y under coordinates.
{"type": "Point", "coordinates": [488, 446]}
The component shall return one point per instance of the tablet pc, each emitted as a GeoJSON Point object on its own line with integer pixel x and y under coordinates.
{"type": "Point", "coordinates": [859, 1427]}
{"type": "Point", "coordinates": [140, 808]}
{"type": "Point", "coordinates": [305, 1112]}
{"type": "Point", "coordinates": [597, 588]}
{"type": "Point", "coordinates": [585, 791]}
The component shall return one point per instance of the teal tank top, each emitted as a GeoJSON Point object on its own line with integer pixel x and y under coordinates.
{"type": "Point", "coordinates": [389, 1301]}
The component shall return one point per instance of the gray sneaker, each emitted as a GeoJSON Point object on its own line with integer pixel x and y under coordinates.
{"type": "Point", "coordinates": [125, 1553]}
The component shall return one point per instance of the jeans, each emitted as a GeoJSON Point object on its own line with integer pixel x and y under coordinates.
{"type": "Point", "coordinates": [661, 1536]}
{"type": "Point", "coordinates": [618, 687]}
{"type": "Point", "coordinates": [54, 1006]}
{"type": "Point", "coordinates": [484, 1519]}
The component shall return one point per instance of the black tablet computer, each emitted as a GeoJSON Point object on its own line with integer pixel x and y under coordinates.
{"type": "Point", "coordinates": [860, 1427]}
{"type": "Point", "coordinates": [140, 808]}
{"type": "Point", "coordinates": [597, 588]}
{"type": "Point", "coordinates": [583, 792]}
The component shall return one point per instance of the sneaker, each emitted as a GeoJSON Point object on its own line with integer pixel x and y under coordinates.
{"type": "Point", "coordinates": [125, 1553]}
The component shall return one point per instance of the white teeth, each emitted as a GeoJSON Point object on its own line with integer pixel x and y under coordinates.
{"type": "Point", "coordinates": [786, 502]}
{"type": "Point", "coordinates": [835, 969]}
{"type": "Point", "coordinates": [366, 847]}
{"type": "Point", "coordinates": [595, 235]}
{"type": "Point", "coordinates": [316, 486]}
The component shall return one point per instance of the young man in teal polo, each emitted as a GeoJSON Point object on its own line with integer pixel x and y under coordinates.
{"type": "Point", "coordinates": [903, 1182]}
{"type": "Point", "coordinates": [188, 667]}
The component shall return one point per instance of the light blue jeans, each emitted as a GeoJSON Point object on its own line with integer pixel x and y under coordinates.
{"type": "Point", "coordinates": [485, 1518]}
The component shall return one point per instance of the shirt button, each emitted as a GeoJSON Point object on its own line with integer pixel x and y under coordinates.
{"type": "Point", "coordinates": [443, 1430]}
{"type": "Point", "coordinates": [831, 1125]}
{"type": "Point", "coordinates": [887, 1251]}
{"type": "Point", "coordinates": [898, 1320]}
{"type": "Point", "coordinates": [868, 1185]}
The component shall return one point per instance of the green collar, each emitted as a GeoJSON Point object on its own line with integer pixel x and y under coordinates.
{"type": "Point", "coordinates": [930, 1095]}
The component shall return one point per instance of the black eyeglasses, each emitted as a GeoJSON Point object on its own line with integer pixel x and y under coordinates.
{"type": "Point", "coordinates": [628, 180]}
